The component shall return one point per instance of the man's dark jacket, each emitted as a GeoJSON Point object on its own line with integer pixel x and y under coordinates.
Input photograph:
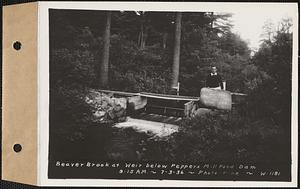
{"type": "Point", "coordinates": [214, 80]}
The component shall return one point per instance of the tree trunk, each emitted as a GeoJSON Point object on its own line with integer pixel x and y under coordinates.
{"type": "Point", "coordinates": [144, 38]}
{"type": "Point", "coordinates": [105, 54]}
{"type": "Point", "coordinates": [212, 20]}
{"type": "Point", "coordinates": [164, 42]}
{"type": "Point", "coordinates": [143, 34]}
{"type": "Point", "coordinates": [176, 56]}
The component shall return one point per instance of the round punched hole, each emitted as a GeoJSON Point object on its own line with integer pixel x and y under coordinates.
{"type": "Point", "coordinates": [17, 148]}
{"type": "Point", "coordinates": [17, 45]}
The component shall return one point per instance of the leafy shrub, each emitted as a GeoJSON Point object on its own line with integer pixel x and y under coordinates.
{"type": "Point", "coordinates": [272, 97]}
{"type": "Point", "coordinates": [215, 138]}
{"type": "Point", "coordinates": [72, 67]}
{"type": "Point", "coordinates": [71, 73]}
{"type": "Point", "coordinates": [133, 69]}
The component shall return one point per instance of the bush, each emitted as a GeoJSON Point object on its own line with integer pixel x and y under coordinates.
{"type": "Point", "coordinates": [72, 67]}
{"type": "Point", "coordinates": [272, 96]}
{"type": "Point", "coordinates": [133, 69]}
{"type": "Point", "coordinates": [71, 73]}
{"type": "Point", "coordinates": [215, 138]}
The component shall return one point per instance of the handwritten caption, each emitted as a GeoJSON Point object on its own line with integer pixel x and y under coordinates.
{"type": "Point", "coordinates": [203, 169]}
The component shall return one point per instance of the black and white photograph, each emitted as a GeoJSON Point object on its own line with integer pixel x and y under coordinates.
{"type": "Point", "coordinates": [171, 95]}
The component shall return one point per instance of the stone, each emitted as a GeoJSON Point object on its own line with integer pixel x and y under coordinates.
{"type": "Point", "coordinates": [98, 99]}
{"type": "Point", "coordinates": [122, 119]}
{"type": "Point", "coordinates": [117, 108]}
{"type": "Point", "coordinates": [136, 102]}
{"type": "Point", "coordinates": [216, 99]}
{"type": "Point", "coordinates": [111, 114]}
{"type": "Point", "coordinates": [99, 114]}
{"type": "Point", "coordinates": [121, 102]}
{"type": "Point", "coordinates": [88, 100]}
{"type": "Point", "coordinates": [120, 113]}
{"type": "Point", "coordinates": [108, 108]}
{"type": "Point", "coordinates": [190, 108]}
{"type": "Point", "coordinates": [202, 112]}
{"type": "Point", "coordinates": [108, 100]}
{"type": "Point", "coordinates": [104, 105]}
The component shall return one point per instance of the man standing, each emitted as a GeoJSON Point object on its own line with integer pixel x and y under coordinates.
{"type": "Point", "coordinates": [214, 80]}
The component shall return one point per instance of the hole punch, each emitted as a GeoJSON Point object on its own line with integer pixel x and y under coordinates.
{"type": "Point", "coordinates": [17, 45]}
{"type": "Point", "coordinates": [17, 148]}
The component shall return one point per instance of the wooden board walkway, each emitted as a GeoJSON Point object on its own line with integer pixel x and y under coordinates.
{"type": "Point", "coordinates": [119, 92]}
{"type": "Point", "coordinates": [169, 97]}
{"type": "Point", "coordinates": [153, 95]}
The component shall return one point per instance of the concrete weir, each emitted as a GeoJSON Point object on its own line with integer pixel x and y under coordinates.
{"type": "Point", "coordinates": [155, 128]}
{"type": "Point", "coordinates": [160, 114]}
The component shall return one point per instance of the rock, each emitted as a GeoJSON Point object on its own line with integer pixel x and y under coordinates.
{"type": "Point", "coordinates": [190, 108]}
{"type": "Point", "coordinates": [108, 107]}
{"type": "Point", "coordinates": [122, 119]}
{"type": "Point", "coordinates": [118, 108]}
{"type": "Point", "coordinates": [110, 95]}
{"type": "Point", "coordinates": [108, 100]}
{"type": "Point", "coordinates": [98, 99]}
{"type": "Point", "coordinates": [99, 114]}
{"type": "Point", "coordinates": [120, 113]}
{"type": "Point", "coordinates": [217, 99]}
{"type": "Point", "coordinates": [88, 100]}
{"type": "Point", "coordinates": [136, 102]}
{"type": "Point", "coordinates": [104, 105]}
{"type": "Point", "coordinates": [121, 102]}
{"type": "Point", "coordinates": [202, 112]}
{"type": "Point", "coordinates": [111, 114]}
{"type": "Point", "coordinates": [139, 155]}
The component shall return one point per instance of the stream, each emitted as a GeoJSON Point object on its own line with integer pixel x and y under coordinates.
{"type": "Point", "coordinates": [121, 141]}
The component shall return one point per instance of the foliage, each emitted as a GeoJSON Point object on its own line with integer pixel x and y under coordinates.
{"type": "Point", "coordinates": [72, 67]}
{"type": "Point", "coordinates": [215, 139]}
{"type": "Point", "coordinates": [206, 41]}
{"type": "Point", "coordinates": [137, 70]}
{"type": "Point", "coordinates": [71, 75]}
{"type": "Point", "coordinates": [273, 96]}
{"type": "Point", "coordinates": [267, 81]}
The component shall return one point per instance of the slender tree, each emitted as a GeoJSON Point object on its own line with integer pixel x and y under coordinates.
{"type": "Point", "coordinates": [164, 40]}
{"type": "Point", "coordinates": [143, 34]}
{"type": "Point", "coordinates": [105, 54]}
{"type": "Point", "coordinates": [176, 55]}
{"type": "Point", "coordinates": [269, 30]}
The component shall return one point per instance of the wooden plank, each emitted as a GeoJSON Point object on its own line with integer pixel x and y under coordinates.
{"type": "Point", "coordinates": [165, 107]}
{"type": "Point", "coordinates": [169, 97]}
{"type": "Point", "coordinates": [119, 92]}
{"type": "Point", "coordinates": [153, 95]}
{"type": "Point", "coordinates": [239, 94]}
{"type": "Point", "coordinates": [159, 118]}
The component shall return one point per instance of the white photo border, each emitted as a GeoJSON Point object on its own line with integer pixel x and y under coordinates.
{"type": "Point", "coordinates": [43, 89]}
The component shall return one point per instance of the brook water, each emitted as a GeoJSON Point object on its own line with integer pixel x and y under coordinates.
{"type": "Point", "coordinates": [121, 141]}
